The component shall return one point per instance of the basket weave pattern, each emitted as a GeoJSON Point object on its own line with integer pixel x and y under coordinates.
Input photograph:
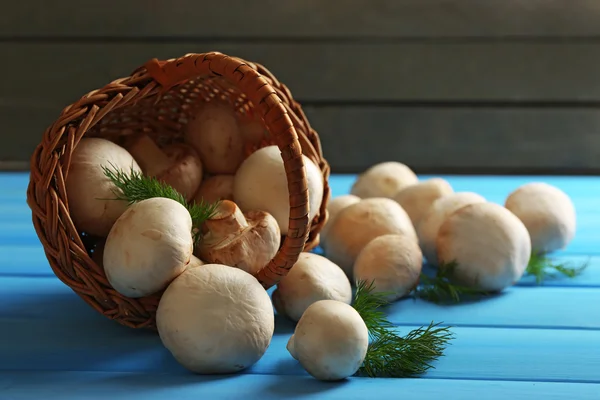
{"type": "Point", "coordinates": [158, 98]}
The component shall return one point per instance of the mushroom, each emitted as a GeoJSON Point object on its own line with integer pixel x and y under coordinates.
{"type": "Point", "coordinates": [253, 131]}
{"type": "Point", "coordinates": [330, 340]}
{"type": "Point", "coordinates": [417, 199]}
{"type": "Point", "coordinates": [489, 246]}
{"type": "Point", "coordinates": [246, 241]}
{"type": "Point", "coordinates": [312, 278]}
{"type": "Point", "coordinates": [177, 164]}
{"type": "Point", "coordinates": [195, 262]}
{"type": "Point", "coordinates": [333, 208]}
{"type": "Point", "coordinates": [214, 133]}
{"type": "Point", "coordinates": [215, 319]}
{"type": "Point", "coordinates": [435, 216]}
{"type": "Point", "coordinates": [392, 263]}
{"type": "Point", "coordinates": [547, 212]}
{"type": "Point", "coordinates": [91, 195]}
{"type": "Point", "coordinates": [383, 180]}
{"type": "Point", "coordinates": [261, 184]}
{"type": "Point", "coordinates": [359, 223]}
{"type": "Point", "coordinates": [214, 188]}
{"type": "Point", "coordinates": [148, 246]}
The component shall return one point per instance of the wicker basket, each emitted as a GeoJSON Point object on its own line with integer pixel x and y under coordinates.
{"type": "Point", "coordinates": [158, 97]}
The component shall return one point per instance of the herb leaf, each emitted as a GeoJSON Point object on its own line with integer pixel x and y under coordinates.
{"type": "Point", "coordinates": [389, 354]}
{"type": "Point", "coordinates": [542, 268]}
{"type": "Point", "coordinates": [440, 289]}
{"type": "Point", "coordinates": [135, 186]}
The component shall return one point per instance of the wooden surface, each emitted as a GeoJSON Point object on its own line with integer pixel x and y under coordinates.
{"type": "Point", "coordinates": [473, 77]}
{"type": "Point", "coordinates": [303, 19]}
{"type": "Point", "coordinates": [530, 342]}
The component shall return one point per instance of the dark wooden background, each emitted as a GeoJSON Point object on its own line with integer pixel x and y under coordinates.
{"type": "Point", "coordinates": [509, 86]}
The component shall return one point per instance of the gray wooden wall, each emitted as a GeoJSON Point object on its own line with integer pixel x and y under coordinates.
{"type": "Point", "coordinates": [445, 86]}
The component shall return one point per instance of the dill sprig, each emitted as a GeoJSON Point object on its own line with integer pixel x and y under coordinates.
{"type": "Point", "coordinates": [135, 186]}
{"type": "Point", "coordinates": [440, 289]}
{"type": "Point", "coordinates": [541, 267]}
{"type": "Point", "coordinates": [389, 354]}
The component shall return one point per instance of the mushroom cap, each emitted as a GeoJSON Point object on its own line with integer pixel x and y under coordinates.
{"type": "Point", "coordinates": [334, 206]}
{"type": "Point", "coordinates": [383, 180]}
{"type": "Point", "coordinates": [148, 246]}
{"type": "Point", "coordinates": [214, 188]}
{"type": "Point", "coordinates": [90, 193]}
{"type": "Point", "coordinates": [417, 199]}
{"type": "Point", "coordinates": [253, 131]}
{"type": "Point", "coordinates": [330, 340]}
{"type": "Point", "coordinates": [185, 173]}
{"type": "Point", "coordinates": [359, 223]}
{"type": "Point", "coordinates": [247, 242]}
{"type": "Point", "coordinates": [261, 184]}
{"type": "Point", "coordinates": [311, 279]}
{"type": "Point", "coordinates": [214, 133]}
{"type": "Point", "coordinates": [392, 262]}
{"type": "Point", "coordinates": [441, 208]}
{"type": "Point", "coordinates": [547, 212]}
{"type": "Point", "coordinates": [215, 319]}
{"type": "Point", "coordinates": [489, 244]}
{"type": "Point", "coordinates": [195, 262]}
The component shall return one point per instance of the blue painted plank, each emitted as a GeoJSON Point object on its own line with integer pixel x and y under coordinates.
{"type": "Point", "coordinates": [475, 353]}
{"type": "Point", "coordinates": [133, 386]}
{"type": "Point", "coordinates": [48, 298]}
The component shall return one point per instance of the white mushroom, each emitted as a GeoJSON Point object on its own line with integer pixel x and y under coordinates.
{"type": "Point", "coordinates": [359, 223]}
{"type": "Point", "coordinates": [547, 212]}
{"type": "Point", "coordinates": [195, 262]}
{"type": "Point", "coordinates": [417, 199]}
{"type": "Point", "coordinates": [215, 319]}
{"type": "Point", "coordinates": [148, 247]}
{"type": "Point", "coordinates": [383, 180]}
{"type": "Point", "coordinates": [90, 193]}
{"type": "Point", "coordinates": [311, 279]}
{"type": "Point", "coordinates": [177, 165]}
{"type": "Point", "coordinates": [489, 244]}
{"type": "Point", "coordinates": [214, 133]}
{"type": "Point", "coordinates": [246, 241]}
{"type": "Point", "coordinates": [330, 340]}
{"type": "Point", "coordinates": [334, 206]}
{"type": "Point", "coordinates": [437, 214]}
{"type": "Point", "coordinates": [214, 188]}
{"type": "Point", "coordinates": [261, 184]}
{"type": "Point", "coordinates": [392, 263]}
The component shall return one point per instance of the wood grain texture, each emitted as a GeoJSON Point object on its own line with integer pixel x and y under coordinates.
{"type": "Point", "coordinates": [430, 139]}
{"type": "Point", "coordinates": [302, 19]}
{"type": "Point", "coordinates": [50, 74]}
{"type": "Point", "coordinates": [103, 385]}
{"type": "Point", "coordinates": [477, 353]}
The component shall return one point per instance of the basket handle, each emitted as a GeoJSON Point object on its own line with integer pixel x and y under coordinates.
{"type": "Point", "coordinates": [270, 107]}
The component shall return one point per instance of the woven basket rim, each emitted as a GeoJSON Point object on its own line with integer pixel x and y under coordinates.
{"type": "Point", "coordinates": [49, 166]}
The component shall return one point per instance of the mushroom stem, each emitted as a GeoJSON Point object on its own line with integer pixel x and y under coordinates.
{"type": "Point", "coordinates": [150, 157]}
{"type": "Point", "coordinates": [227, 220]}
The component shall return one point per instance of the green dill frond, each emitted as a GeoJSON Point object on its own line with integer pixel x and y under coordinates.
{"type": "Point", "coordinates": [441, 290]}
{"type": "Point", "coordinates": [541, 267]}
{"type": "Point", "coordinates": [135, 186]}
{"type": "Point", "coordinates": [389, 354]}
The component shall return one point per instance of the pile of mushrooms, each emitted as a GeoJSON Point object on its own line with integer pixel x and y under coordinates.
{"type": "Point", "coordinates": [214, 316]}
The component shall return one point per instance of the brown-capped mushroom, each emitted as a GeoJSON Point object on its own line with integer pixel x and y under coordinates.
{"type": "Point", "coordinates": [177, 165]}
{"type": "Point", "coordinates": [215, 188]}
{"type": "Point", "coordinates": [245, 241]}
{"type": "Point", "coordinates": [214, 133]}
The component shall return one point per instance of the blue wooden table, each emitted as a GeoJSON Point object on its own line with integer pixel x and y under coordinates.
{"type": "Point", "coordinates": [532, 342]}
